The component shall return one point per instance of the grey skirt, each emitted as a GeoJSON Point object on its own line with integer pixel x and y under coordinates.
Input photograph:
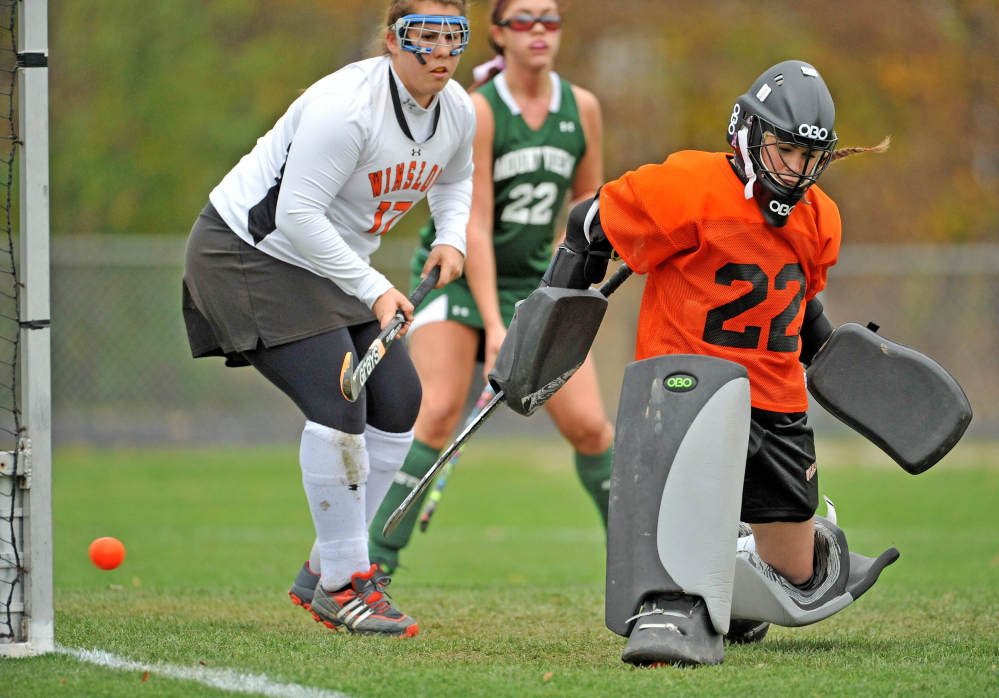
{"type": "Point", "coordinates": [237, 298]}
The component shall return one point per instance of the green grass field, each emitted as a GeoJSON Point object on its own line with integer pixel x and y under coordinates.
{"type": "Point", "coordinates": [507, 585]}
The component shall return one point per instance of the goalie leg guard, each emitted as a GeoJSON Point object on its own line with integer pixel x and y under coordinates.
{"type": "Point", "coordinates": [676, 490]}
{"type": "Point", "coordinates": [839, 579]}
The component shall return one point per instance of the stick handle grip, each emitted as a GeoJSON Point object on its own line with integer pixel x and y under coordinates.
{"type": "Point", "coordinates": [427, 285]}
{"type": "Point", "coordinates": [617, 278]}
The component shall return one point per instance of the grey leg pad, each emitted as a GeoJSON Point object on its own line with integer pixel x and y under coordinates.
{"type": "Point", "coordinates": [676, 486]}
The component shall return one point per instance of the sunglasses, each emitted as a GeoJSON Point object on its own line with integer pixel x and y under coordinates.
{"type": "Point", "coordinates": [525, 22]}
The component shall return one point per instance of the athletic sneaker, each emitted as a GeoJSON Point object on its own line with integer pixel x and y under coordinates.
{"type": "Point", "coordinates": [363, 608]}
{"type": "Point", "coordinates": [304, 586]}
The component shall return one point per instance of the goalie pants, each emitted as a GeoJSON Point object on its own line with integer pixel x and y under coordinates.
{"type": "Point", "coordinates": [781, 482]}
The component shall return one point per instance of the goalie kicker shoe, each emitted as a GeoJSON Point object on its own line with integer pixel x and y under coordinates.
{"type": "Point", "coordinates": [743, 632]}
{"type": "Point", "coordinates": [304, 586]}
{"type": "Point", "coordinates": [362, 607]}
{"type": "Point", "coordinates": [829, 578]}
{"type": "Point", "coordinates": [673, 629]}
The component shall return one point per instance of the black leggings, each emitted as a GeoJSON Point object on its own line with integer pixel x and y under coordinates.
{"type": "Point", "coordinates": [308, 371]}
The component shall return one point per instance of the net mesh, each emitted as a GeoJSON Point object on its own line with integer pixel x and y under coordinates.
{"type": "Point", "coordinates": [11, 564]}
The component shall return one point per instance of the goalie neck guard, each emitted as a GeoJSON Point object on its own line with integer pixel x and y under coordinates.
{"type": "Point", "coordinates": [788, 107]}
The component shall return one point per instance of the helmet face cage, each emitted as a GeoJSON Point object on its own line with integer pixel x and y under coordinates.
{"type": "Point", "coordinates": [767, 141]}
{"type": "Point", "coordinates": [424, 33]}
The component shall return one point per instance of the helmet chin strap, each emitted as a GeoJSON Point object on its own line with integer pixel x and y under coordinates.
{"type": "Point", "coordinates": [743, 139]}
{"type": "Point", "coordinates": [420, 58]}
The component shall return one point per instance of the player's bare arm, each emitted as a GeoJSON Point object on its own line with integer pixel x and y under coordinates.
{"type": "Point", "coordinates": [481, 262]}
{"type": "Point", "coordinates": [590, 173]}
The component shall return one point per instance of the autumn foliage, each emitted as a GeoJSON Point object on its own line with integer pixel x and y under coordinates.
{"type": "Point", "coordinates": [152, 102]}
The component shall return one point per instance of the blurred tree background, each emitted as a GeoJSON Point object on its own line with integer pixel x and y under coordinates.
{"type": "Point", "coordinates": [153, 102]}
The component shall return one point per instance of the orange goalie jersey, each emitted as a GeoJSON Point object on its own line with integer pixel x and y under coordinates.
{"type": "Point", "coordinates": [721, 282]}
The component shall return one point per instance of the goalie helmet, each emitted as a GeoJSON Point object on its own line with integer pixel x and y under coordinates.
{"type": "Point", "coordinates": [789, 105]}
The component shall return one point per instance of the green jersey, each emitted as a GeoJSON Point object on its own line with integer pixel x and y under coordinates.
{"type": "Point", "coordinates": [533, 172]}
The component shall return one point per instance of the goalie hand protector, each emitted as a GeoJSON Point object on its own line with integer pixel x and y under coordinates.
{"type": "Point", "coordinates": [582, 259]}
{"type": "Point", "coordinates": [902, 401]}
{"type": "Point", "coordinates": [551, 332]}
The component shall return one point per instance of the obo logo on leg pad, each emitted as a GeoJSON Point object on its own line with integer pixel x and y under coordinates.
{"type": "Point", "coordinates": [680, 383]}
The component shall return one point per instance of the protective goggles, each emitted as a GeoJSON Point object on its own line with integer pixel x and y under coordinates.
{"type": "Point", "coordinates": [526, 22]}
{"type": "Point", "coordinates": [424, 33]}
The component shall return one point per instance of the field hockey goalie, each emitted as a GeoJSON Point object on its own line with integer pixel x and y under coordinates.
{"type": "Point", "coordinates": [675, 578]}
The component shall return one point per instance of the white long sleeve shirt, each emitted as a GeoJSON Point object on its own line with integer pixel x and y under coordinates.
{"type": "Point", "coordinates": [343, 165]}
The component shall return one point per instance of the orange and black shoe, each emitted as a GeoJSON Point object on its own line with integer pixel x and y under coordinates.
{"type": "Point", "coordinates": [304, 587]}
{"type": "Point", "coordinates": [362, 607]}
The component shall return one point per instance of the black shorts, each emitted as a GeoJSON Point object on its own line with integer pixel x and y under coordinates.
{"type": "Point", "coordinates": [237, 298]}
{"type": "Point", "coordinates": [782, 483]}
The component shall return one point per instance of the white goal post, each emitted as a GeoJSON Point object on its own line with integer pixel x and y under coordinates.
{"type": "Point", "coordinates": [26, 594]}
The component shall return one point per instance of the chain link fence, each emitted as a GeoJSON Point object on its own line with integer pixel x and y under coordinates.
{"type": "Point", "coordinates": [123, 374]}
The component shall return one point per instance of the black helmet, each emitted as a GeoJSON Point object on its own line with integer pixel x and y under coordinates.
{"type": "Point", "coordinates": [788, 105]}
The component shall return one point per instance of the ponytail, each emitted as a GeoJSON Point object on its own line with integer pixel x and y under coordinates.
{"type": "Point", "coordinates": [845, 152]}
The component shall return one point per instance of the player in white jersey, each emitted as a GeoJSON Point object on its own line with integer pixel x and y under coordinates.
{"type": "Point", "coordinates": [277, 276]}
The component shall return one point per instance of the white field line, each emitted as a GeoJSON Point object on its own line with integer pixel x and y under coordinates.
{"type": "Point", "coordinates": [224, 679]}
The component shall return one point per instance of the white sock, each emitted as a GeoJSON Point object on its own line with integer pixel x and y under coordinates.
{"type": "Point", "coordinates": [746, 543]}
{"type": "Point", "coordinates": [315, 562]}
{"type": "Point", "coordinates": [334, 473]}
{"type": "Point", "coordinates": [386, 454]}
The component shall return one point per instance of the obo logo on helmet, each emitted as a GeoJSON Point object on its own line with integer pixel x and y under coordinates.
{"type": "Point", "coordinates": [809, 131]}
{"type": "Point", "coordinates": [734, 120]}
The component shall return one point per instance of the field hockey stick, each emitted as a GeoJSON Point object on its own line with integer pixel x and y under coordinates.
{"type": "Point", "coordinates": [352, 379]}
{"type": "Point", "coordinates": [609, 286]}
{"type": "Point", "coordinates": [423, 484]}
{"type": "Point", "coordinates": [434, 498]}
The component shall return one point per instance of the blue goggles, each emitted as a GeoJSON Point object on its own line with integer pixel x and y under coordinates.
{"type": "Point", "coordinates": [424, 33]}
